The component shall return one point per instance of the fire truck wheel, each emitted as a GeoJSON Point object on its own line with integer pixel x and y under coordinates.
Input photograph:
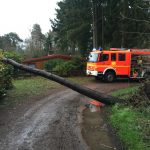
{"type": "Point", "coordinates": [109, 76]}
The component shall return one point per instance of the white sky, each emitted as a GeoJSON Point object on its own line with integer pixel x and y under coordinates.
{"type": "Point", "coordinates": [19, 15]}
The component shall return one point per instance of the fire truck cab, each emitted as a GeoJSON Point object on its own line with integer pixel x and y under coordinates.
{"type": "Point", "coordinates": [114, 63]}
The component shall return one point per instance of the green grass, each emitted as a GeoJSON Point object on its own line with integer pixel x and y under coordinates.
{"type": "Point", "coordinates": [130, 123]}
{"type": "Point", "coordinates": [26, 89]}
{"type": "Point", "coordinates": [33, 88]}
{"type": "Point", "coordinates": [125, 93]}
{"type": "Point", "coordinates": [125, 120]}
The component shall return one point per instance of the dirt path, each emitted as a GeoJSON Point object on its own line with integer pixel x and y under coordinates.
{"type": "Point", "coordinates": [49, 124]}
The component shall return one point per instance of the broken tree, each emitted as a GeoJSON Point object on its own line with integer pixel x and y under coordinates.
{"type": "Point", "coordinates": [106, 99]}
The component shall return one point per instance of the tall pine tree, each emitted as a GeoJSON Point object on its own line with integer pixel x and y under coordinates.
{"type": "Point", "coordinates": [73, 25]}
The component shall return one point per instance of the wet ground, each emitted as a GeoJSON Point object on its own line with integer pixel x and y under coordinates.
{"type": "Point", "coordinates": [56, 122]}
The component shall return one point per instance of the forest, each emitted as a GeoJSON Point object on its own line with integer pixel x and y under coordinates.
{"type": "Point", "coordinates": [80, 26]}
{"type": "Point", "coordinates": [90, 24]}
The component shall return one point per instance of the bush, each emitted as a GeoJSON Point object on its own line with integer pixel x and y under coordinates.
{"type": "Point", "coordinates": [64, 68]}
{"type": "Point", "coordinates": [7, 72]}
{"type": "Point", "coordinates": [67, 68]}
{"type": "Point", "coordinates": [5, 79]}
{"type": "Point", "coordinates": [78, 63]}
{"type": "Point", "coordinates": [51, 64]}
{"type": "Point", "coordinates": [14, 72]}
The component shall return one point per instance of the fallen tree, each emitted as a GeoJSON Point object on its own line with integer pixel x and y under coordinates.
{"type": "Point", "coordinates": [106, 99]}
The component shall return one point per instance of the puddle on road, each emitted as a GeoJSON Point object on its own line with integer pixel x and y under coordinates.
{"type": "Point", "coordinates": [96, 133]}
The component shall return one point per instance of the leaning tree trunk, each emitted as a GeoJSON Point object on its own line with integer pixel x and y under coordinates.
{"type": "Point", "coordinates": [106, 99]}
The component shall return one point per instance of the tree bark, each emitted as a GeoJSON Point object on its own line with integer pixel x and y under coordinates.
{"type": "Point", "coordinates": [101, 97]}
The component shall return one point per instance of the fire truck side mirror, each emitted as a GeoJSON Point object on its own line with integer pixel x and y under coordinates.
{"type": "Point", "coordinates": [88, 57]}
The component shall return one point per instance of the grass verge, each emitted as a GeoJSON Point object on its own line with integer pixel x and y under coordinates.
{"type": "Point", "coordinates": [131, 124]}
{"type": "Point", "coordinates": [125, 93]}
{"type": "Point", "coordinates": [33, 88]}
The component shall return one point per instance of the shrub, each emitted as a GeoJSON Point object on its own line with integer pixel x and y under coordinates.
{"type": "Point", "coordinates": [64, 68]}
{"type": "Point", "coordinates": [7, 72]}
{"type": "Point", "coordinates": [51, 64]}
{"type": "Point", "coordinates": [67, 68]}
{"type": "Point", "coordinates": [5, 79]}
{"type": "Point", "coordinates": [14, 72]}
{"type": "Point", "coordinates": [78, 63]}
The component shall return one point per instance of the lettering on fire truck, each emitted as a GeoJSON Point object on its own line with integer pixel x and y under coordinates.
{"type": "Point", "coordinates": [113, 63]}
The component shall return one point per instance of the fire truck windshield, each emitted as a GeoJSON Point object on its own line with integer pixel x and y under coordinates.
{"type": "Point", "coordinates": [93, 57]}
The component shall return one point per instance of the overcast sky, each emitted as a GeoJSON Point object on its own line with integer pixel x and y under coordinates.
{"type": "Point", "coordinates": [20, 15]}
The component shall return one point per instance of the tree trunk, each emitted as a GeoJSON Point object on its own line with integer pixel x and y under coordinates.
{"type": "Point", "coordinates": [106, 99]}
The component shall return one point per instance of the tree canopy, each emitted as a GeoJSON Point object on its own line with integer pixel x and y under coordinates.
{"type": "Point", "coordinates": [35, 44]}
{"type": "Point", "coordinates": [109, 23]}
{"type": "Point", "coordinates": [10, 41]}
{"type": "Point", "coordinates": [73, 25]}
{"type": "Point", "coordinates": [123, 23]}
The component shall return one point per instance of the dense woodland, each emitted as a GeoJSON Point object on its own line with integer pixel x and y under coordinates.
{"type": "Point", "coordinates": [80, 26]}
{"type": "Point", "coordinates": [110, 23]}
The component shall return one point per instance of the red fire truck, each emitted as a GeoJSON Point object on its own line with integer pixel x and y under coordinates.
{"type": "Point", "coordinates": [114, 63]}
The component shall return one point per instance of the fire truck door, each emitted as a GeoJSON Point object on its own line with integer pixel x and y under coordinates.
{"type": "Point", "coordinates": [122, 64]}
